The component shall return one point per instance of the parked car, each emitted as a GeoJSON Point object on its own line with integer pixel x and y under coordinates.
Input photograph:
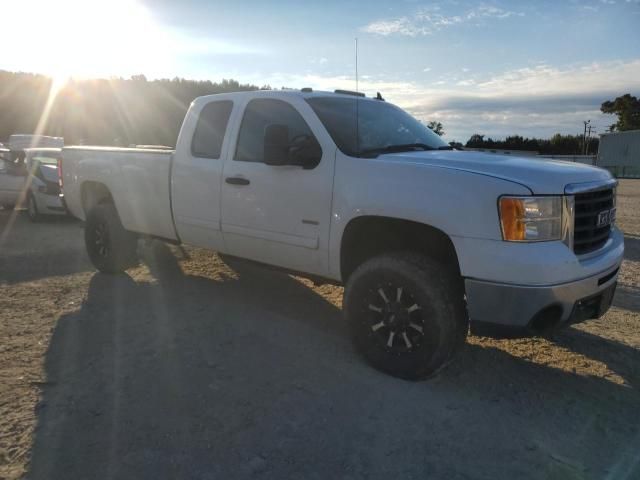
{"type": "Point", "coordinates": [356, 191]}
{"type": "Point", "coordinates": [32, 181]}
{"type": "Point", "coordinates": [43, 197]}
{"type": "Point", "coordinates": [12, 180]}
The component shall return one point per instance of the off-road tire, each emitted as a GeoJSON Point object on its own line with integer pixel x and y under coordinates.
{"type": "Point", "coordinates": [426, 338]}
{"type": "Point", "coordinates": [111, 248]}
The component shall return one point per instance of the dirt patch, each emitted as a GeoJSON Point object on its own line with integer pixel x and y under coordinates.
{"type": "Point", "coordinates": [191, 368]}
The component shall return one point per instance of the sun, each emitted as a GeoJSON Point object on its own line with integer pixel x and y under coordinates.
{"type": "Point", "coordinates": [83, 39]}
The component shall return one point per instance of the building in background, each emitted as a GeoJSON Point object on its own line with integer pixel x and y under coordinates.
{"type": "Point", "coordinates": [619, 153]}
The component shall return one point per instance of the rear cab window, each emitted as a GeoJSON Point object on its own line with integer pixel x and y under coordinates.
{"type": "Point", "coordinates": [210, 129]}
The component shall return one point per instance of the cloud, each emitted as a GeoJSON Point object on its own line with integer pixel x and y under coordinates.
{"type": "Point", "coordinates": [427, 20]}
{"type": "Point", "coordinates": [581, 78]}
{"type": "Point", "coordinates": [402, 26]}
{"type": "Point", "coordinates": [538, 101]}
{"type": "Point", "coordinates": [531, 101]}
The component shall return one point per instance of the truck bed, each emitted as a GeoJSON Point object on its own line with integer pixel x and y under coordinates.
{"type": "Point", "coordinates": [138, 179]}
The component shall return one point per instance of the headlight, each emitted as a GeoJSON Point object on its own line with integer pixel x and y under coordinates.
{"type": "Point", "coordinates": [531, 219]}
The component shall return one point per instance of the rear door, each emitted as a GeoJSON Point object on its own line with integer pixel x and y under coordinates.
{"type": "Point", "coordinates": [196, 174]}
{"type": "Point", "coordinates": [277, 214]}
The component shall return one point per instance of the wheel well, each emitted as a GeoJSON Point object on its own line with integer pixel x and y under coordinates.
{"type": "Point", "coordinates": [94, 193]}
{"type": "Point", "coordinates": [366, 237]}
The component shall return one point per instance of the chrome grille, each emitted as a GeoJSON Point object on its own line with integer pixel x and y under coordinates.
{"type": "Point", "coordinates": [588, 236]}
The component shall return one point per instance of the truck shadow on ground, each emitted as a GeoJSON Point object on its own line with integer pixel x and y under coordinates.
{"type": "Point", "coordinates": [57, 256]}
{"type": "Point", "coordinates": [190, 377]}
{"type": "Point", "coordinates": [30, 266]}
{"type": "Point", "coordinates": [632, 247]}
{"type": "Point", "coordinates": [627, 297]}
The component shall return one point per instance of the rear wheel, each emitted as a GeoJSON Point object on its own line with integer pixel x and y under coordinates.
{"type": "Point", "coordinates": [406, 314]}
{"type": "Point", "coordinates": [32, 209]}
{"type": "Point", "coordinates": [111, 248]}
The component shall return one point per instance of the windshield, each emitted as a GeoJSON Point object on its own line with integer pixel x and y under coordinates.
{"type": "Point", "coordinates": [381, 127]}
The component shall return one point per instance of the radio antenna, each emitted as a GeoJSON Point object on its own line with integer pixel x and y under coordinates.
{"type": "Point", "coordinates": [357, 64]}
{"type": "Point", "coordinates": [357, 102]}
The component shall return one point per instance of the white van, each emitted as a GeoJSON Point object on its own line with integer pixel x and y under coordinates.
{"type": "Point", "coordinates": [43, 195]}
{"type": "Point", "coordinates": [35, 182]}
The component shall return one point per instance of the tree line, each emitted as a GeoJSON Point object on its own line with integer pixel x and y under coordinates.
{"type": "Point", "coordinates": [122, 112]}
{"type": "Point", "coordinates": [112, 111]}
{"type": "Point", "coordinates": [556, 145]}
{"type": "Point", "coordinates": [625, 107]}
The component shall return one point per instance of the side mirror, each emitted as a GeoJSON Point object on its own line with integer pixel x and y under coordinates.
{"type": "Point", "coordinates": [276, 145]}
{"type": "Point", "coordinates": [303, 150]}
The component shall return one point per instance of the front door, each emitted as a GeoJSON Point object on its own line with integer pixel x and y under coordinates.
{"type": "Point", "coordinates": [277, 214]}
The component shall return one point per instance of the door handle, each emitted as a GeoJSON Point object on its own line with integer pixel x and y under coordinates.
{"type": "Point", "coordinates": [237, 181]}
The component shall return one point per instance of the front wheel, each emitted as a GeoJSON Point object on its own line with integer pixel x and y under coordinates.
{"type": "Point", "coordinates": [406, 314]}
{"type": "Point", "coordinates": [111, 248]}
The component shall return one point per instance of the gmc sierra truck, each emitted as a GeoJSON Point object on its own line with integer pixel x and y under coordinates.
{"type": "Point", "coordinates": [428, 241]}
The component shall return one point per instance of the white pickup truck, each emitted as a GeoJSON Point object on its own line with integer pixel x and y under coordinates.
{"type": "Point", "coordinates": [426, 239]}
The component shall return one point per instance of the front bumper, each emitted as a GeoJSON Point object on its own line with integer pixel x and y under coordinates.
{"type": "Point", "coordinates": [517, 310]}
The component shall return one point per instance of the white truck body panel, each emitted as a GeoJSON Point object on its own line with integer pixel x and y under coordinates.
{"type": "Point", "coordinates": [195, 189]}
{"type": "Point", "coordinates": [548, 263]}
{"type": "Point", "coordinates": [295, 218]}
{"type": "Point", "coordinates": [137, 179]}
{"type": "Point", "coordinates": [284, 218]}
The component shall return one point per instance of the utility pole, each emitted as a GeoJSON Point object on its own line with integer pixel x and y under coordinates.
{"type": "Point", "coordinates": [586, 148]}
{"type": "Point", "coordinates": [584, 136]}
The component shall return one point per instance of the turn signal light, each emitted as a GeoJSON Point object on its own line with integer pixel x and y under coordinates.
{"type": "Point", "coordinates": [531, 219]}
{"type": "Point", "coordinates": [512, 219]}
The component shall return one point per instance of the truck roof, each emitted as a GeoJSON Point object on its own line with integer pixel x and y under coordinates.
{"type": "Point", "coordinates": [303, 93]}
{"type": "Point", "coordinates": [43, 149]}
{"type": "Point", "coordinates": [22, 141]}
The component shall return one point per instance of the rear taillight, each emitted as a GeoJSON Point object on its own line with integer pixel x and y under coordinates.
{"type": "Point", "coordinates": [60, 172]}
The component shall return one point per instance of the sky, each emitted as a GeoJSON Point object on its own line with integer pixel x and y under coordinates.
{"type": "Point", "coordinates": [496, 68]}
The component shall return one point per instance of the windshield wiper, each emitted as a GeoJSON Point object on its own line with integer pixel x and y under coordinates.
{"type": "Point", "coordinates": [402, 147]}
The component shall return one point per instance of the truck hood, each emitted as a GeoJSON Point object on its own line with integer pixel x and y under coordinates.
{"type": "Point", "coordinates": [541, 176]}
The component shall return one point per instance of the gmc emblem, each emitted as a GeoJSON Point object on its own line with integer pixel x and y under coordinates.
{"type": "Point", "coordinates": [606, 217]}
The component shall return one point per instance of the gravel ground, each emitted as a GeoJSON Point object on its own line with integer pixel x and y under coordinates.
{"type": "Point", "coordinates": [191, 368]}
